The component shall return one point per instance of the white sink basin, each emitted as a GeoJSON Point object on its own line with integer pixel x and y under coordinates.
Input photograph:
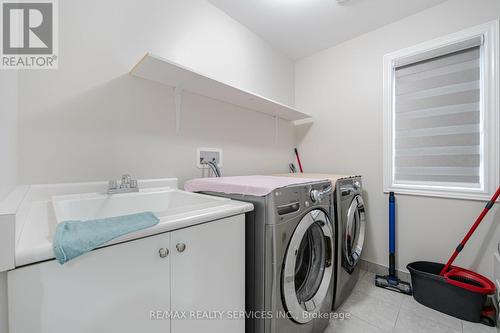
{"type": "Point", "coordinates": [162, 202]}
{"type": "Point", "coordinates": [44, 206]}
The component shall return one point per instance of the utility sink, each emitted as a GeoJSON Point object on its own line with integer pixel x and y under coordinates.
{"type": "Point", "coordinates": [42, 207]}
{"type": "Point", "coordinates": [162, 202]}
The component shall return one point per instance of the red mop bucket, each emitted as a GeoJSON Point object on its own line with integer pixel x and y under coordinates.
{"type": "Point", "coordinates": [455, 291]}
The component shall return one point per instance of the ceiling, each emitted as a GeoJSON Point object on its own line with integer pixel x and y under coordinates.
{"type": "Point", "coordinates": [299, 28]}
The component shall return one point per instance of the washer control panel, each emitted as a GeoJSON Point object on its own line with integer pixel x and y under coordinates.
{"type": "Point", "coordinates": [318, 195]}
{"type": "Point", "coordinates": [292, 199]}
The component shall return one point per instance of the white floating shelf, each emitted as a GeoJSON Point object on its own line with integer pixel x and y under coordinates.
{"type": "Point", "coordinates": [157, 69]}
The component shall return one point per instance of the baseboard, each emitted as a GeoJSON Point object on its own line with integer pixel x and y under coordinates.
{"type": "Point", "coordinates": [382, 270]}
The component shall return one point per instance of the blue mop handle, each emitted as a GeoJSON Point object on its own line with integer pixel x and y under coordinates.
{"type": "Point", "coordinates": [392, 234]}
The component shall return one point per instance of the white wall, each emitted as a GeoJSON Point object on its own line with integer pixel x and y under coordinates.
{"type": "Point", "coordinates": [3, 303]}
{"type": "Point", "coordinates": [8, 160]}
{"type": "Point", "coordinates": [90, 120]}
{"type": "Point", "coordinates": [342, 88]}
{"type": "Point", "coordinates": [8, 131]}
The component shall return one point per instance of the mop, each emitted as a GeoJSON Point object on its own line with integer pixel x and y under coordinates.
{"type": "Point", "coordinates": [391, 281]}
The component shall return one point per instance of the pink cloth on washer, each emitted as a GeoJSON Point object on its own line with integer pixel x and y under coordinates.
{"type": "Point", "coordinates": [247, 185]}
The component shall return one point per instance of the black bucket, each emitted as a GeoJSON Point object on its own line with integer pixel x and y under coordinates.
{"type": "Point", "coordinates": [432, 290]}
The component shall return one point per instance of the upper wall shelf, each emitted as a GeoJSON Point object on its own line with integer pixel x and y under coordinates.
{"type": "Point", "coordinates": [154, 68]}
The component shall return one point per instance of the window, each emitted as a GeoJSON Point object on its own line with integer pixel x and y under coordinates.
{"type": "Point", "coordinates": [441, 116]}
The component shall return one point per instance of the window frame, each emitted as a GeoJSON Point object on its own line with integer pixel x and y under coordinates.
{"type": "Point", "coordinates": [490, 116]}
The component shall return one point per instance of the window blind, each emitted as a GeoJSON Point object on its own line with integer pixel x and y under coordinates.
{"type": "Point", "coordinates": [438, 120]}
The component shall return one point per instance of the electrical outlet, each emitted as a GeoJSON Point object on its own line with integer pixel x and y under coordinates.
{"type": "Point", "coordinates": [208, 154]}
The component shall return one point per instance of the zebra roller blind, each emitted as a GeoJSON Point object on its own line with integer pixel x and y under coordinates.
{"type": "Point", "coordinates": [437, 118]}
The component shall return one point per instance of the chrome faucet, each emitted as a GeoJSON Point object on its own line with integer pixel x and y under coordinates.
{"type": "Point", "coordinates": [127, 185]}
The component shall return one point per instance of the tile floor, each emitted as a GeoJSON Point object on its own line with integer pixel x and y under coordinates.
{"type": "Point", "coordinates": [375, 310]}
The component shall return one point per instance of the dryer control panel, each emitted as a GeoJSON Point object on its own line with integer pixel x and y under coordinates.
{"type": "Point", "coordinates": [350, 186]}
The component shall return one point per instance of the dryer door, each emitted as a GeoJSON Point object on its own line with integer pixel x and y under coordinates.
{"type": "Point", "coordinates": [308, 266]}
{"type": "Point", "coordinates": [354, 232]}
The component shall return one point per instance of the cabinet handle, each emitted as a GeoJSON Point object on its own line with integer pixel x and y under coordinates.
{"type": "Point", "coordinates": [163, 252]}
{"type": "Point", "coordinates": [180, 247]}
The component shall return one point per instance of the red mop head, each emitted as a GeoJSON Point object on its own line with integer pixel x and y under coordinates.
{"type": "Point", "coordinates": [469, 280]}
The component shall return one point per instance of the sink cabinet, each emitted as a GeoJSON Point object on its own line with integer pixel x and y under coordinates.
{"type": "Point", "coordinates": [153, 284]}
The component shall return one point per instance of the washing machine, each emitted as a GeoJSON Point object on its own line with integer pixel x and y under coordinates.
{"type": "Point", "coordinates": [290, 250]}
{"type": "Point", "coordinates": [350, 227]}
{"type": "Point", "coordinates": [351, 221]}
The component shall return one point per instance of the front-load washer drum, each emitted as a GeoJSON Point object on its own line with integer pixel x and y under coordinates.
{"type": "Point", "coordinates": [308, 266]}
{"type": "Point", "coordinates": [354, 232]}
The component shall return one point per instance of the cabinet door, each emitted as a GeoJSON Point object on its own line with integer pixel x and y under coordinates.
{"type": "Point", "coordinates": [113, 289]}
{"type": "Point", "coordinates": [209, 275]}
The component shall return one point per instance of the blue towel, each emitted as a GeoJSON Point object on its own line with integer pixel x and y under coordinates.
{"type": "Point", "coordinates": [74, 238]}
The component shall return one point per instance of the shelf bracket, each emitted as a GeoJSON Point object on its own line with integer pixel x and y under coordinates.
{"type": "Point", "coordinates": [178, 108]}
{"type": "Point", "coordinates": [276, 126]}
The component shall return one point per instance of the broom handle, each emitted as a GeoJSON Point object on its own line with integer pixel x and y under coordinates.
{"type": "Point", "coordinates": [471, 231]}
{"type": "Point", "coordinates": [298, 160]}
{"type": "Point", "coordinates": [392, 234]}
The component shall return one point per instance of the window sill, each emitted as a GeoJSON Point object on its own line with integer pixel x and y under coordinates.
{"type": "Point", "coordinates": [440, 193]}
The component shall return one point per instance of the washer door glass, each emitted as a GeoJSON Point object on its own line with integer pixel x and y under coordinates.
{"type": "Point", "coordinates": [308, 268]}
{"type": "Point", "coordinates": [354, 233]}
